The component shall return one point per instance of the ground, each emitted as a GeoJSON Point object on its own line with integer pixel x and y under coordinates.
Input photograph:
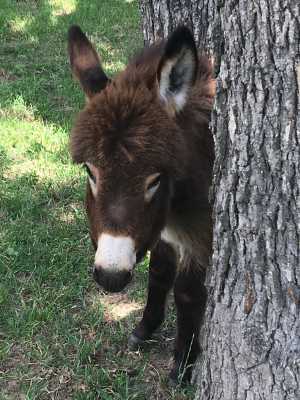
{"type": "Point", "coordinates": [61, 337]}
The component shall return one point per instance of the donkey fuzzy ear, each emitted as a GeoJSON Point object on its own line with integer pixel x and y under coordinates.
{"type": "Point", "coordinates": [85, 62]}
{"type": "Point", "coordinates": [177, 70]}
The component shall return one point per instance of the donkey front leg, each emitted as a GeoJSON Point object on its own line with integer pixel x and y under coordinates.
{"type": "Point", "coordinates": [190, 299]}
{"type": "Point", "coordinates": [162, 271]}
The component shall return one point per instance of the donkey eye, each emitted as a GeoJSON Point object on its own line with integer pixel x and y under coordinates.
{"type": "Point", "coordinates": [152, 184]}
{"type": "Point", "coordinates": [89, 172]}
{"type": "Point", "coordinates": [92, 171]}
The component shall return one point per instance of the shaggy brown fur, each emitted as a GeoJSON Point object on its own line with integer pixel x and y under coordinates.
{"type": "Point", "coordinates": [128, 132]}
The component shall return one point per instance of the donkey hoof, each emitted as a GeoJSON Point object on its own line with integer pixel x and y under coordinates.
{"type": "Point", "coordinates": [134, 342]}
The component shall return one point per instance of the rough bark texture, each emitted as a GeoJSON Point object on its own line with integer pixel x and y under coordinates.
{"type": "Point", "coordinates": [161, 17]}
{"type": "Point", "coordinates": [251, 336]}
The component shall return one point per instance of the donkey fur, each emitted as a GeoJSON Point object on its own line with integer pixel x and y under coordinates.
{"type": "Point", "coordinates": [131, 127]}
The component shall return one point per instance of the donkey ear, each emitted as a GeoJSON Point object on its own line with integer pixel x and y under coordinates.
{"type": "Point", "coordinates": [177, 70]}
{"type": "Point", "coordinates": [85, 62]}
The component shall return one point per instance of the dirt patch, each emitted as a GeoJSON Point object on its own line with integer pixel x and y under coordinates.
{"type": "Point", "coordinates": [118, 306]}
{"type": "Point", "coordinates": [16, 357]}
{"type": "Point", "coordinates": [9, 382]}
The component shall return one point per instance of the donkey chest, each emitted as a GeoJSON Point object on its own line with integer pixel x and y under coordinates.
{"type": "Point", "coordinates": [180, 220]}
{"type": "Point", "coordinates": [175, 238]}
{"type": "Point", "coordinates": [188, 227]}
{"type": "Point", "coordinates": [190, 234]}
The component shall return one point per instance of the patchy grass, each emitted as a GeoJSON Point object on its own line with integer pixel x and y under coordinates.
{"type": "Point", "coordinates": [60, 337]}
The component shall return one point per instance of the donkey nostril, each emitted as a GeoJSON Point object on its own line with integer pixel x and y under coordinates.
{"type": "Point", "coordinates": [98, 275]}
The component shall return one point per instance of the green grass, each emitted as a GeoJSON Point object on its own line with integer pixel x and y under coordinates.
{"type": "Point", "coordinates": [60, 337]}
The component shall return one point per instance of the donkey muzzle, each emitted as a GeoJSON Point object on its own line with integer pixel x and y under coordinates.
{"type": "Point", "coordinates": [112, 281]}
{"type": "Point", "coordinates": [115, 259]}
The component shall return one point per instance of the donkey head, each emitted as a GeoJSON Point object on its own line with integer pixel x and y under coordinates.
{"type": "Point", "coordinates": [132, 147]}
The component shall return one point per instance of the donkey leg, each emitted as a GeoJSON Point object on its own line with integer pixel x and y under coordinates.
{"type": "Point", "coordinates": [190, 300]}
{"type": "Point", "coordinates": [162, 270]}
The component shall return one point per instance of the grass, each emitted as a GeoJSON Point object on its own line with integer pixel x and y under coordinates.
{"type": "Point", "coordinates": [60, 337]}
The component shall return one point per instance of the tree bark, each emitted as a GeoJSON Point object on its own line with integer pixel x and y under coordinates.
{"type": "Point", "coordinates": [251, 337]}
{"type": "Point", "coordinates": [251, 334]}
{"type": "Point", "coordinates": [161, 17]}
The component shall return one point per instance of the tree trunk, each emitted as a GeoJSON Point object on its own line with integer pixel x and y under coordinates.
{"type": "Point", "coordinates": [161, 17]}
{"type": "Point", "coordinates": [251, 338]}
{"type": "Point", "coordinates": [251, 335]}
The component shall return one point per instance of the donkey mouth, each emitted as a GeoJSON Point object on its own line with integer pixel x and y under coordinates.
{"type": "Point", "coordinates": [112, 281]}
{"type": "Point", "coordinates": [115, 281]}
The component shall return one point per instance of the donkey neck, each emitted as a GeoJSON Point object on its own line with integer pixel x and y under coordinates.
{"type": "Point", "coordinates": [189, 227]}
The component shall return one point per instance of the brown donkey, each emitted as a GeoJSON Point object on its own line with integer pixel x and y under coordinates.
{"type": "Point", "coordinates": [145, 142]}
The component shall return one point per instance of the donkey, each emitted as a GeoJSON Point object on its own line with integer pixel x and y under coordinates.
{"type": "Point", "coordinates": [144, 140]}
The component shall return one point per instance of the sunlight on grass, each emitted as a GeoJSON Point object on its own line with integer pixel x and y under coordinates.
{"type": "Point", "coordinates": [33, 146]}
{"type": "Point", "coordinates": [116, 306]}
{"type": "Point", "coordinates": [63, 7]}
{"type": "Point", "coordinates": [18, 109]}
{"type": "Point", "coordinates": [19, 24]}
